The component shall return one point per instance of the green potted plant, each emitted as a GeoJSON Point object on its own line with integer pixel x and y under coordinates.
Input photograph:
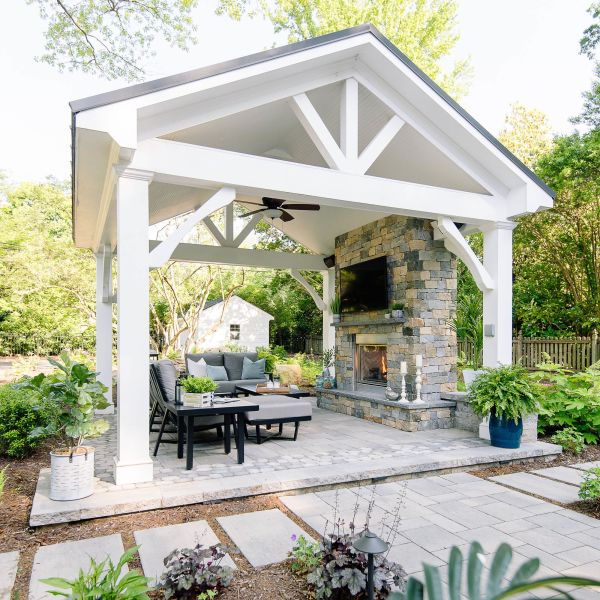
{"type": "Point", "coordinates": [398, 310]}
{"type": "Point", "coordinates": [74, 395]}
{"type": "Point", "coordinates": [335, 305]}
{"type": "Point", "coordinates": [507, 394]}
{"type": "Point", "coordinates": [199, 391]}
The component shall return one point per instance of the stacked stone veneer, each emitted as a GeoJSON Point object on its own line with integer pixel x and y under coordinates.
{"type": "Point", "coordinates": [422, 275]}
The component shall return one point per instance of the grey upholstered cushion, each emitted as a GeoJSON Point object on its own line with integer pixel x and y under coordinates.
{"type": "Point", "coordinates": [216, 373]}
{"type": "Point", "coordinates": [234, 362]}
{"type": "Point", "coordinates": [167, 376]}
{"type": "Point", "coordinates": [212, 358]}
{"type": "Point", "coordinates": [253, 369]}
{"type": "Point", "coordinates": [279, 407]}
{"type": "Point", "coordinates": [228, 387]}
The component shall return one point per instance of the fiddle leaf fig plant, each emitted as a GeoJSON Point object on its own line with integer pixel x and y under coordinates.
{"type": "Point", "coordinates": [74, 394]}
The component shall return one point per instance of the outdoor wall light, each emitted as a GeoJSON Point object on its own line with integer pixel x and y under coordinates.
{"type": "Point", "coordinates": [370, 544]}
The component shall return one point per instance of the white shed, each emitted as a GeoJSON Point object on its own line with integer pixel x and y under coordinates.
{"type": "Point", "coordinates": [235, 321]}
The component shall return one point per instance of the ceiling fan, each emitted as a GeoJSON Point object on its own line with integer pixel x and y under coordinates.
{"type": "Point", "coordinates": [274, 208]}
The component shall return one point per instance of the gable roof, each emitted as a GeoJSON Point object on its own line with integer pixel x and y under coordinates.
{"type": "Point", "coordinates": [171, 81]}
{"type": "Point", "coordinates": [217, 301]}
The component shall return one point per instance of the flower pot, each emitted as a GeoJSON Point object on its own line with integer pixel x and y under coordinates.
{"type": "Point", "coordinates": [336, 318]}
{"type": "Point", "coordinates": [505, 433]}
{"type": "Point", "coordinates": [469, 376]}
{"type": "Point", "coordinates": [72, 474]}
{"type": "Point", "coordinates": [388, 315]}
{"type": "Point", "coordinates": [397, 314]}
{"type": "Point", "coordinates": [190, 399]}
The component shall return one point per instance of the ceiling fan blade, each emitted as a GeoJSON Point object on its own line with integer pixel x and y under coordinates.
{"type": "Point", "coordinates": [301, 207]}
{"type": "Point", "coordinates": [272, 202]}
{"type": "Point", "coordinates": [285, 216]}
{"type": "Point", "coordinates": [254, 212]}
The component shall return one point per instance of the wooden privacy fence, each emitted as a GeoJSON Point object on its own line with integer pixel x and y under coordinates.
{"type": "Point", "coordinates": [576, 353]}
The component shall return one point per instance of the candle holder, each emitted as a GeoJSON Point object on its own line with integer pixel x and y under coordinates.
{"type": "Point", "coordinates": [418, 385]}
{"type": "Point", "coordinates": [403, 396]}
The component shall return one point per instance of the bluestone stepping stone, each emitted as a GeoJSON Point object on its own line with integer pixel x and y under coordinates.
{"type": "Point", "coordinates": [587, 465]}
{"type": "Point", "coordinates": [540, 486]}
{"type": "Point", "coordinates": [263, 537]}
{"type": "Point", "coordinates": [564, 474]}
{"type": "Point", "coordinates": [155, 544]}
{"type": "Point", "coordinates": [9, 562]}
{"type": "Point", "coordinates": [67, 558]}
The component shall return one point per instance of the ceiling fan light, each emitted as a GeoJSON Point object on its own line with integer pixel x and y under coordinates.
{"type": "Point", "coordinates": [273, 213]}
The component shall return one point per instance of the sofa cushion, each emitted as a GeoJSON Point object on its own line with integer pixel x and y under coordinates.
{"type": "Point", "coordinates": [253, 369]}
{"type": "Point", "coordinates": [212, 358]}
{"type": "Point", "coordinates": [166, 374]}
{"type": "Point", "coordinates": [234, 362]}
{"type": "Point", "coordinates": [216, 373]}
{"type": "Point", "coordinates": [197, 369]}
{"type": "Point", "coordinates": [279, 407]}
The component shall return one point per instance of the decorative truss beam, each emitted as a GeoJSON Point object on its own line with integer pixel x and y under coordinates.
{"type": "Point", "coordinates": [309, 288]}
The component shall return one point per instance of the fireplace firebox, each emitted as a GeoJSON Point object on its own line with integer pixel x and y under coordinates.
{"type": "Point", "coordinates": [371, 359]}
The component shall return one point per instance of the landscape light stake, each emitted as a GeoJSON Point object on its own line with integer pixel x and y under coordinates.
{"type": "Point", "coordinates": [370, 544]}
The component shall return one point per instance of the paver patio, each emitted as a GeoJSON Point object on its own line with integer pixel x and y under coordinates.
{"type": "Point", "coordinates": [331, 449]}
{"type": "Point", "coordinates": [540, 486]}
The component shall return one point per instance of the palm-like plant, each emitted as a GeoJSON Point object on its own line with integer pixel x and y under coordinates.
{"type": "Point", "coordinates": [468, 325]}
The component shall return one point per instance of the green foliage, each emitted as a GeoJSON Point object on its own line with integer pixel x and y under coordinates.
{"type": "Point", "coordinates": [570, 439]}
{"type": "Point", "coordinates": [398, 306]}
{"type": "Point", "coordinates": [111, 39]}
{"type": "Point", "coordinates": [520, 583]}
{"type": "Point", "coordinates": [194, 571]}
{"type": "Point", "coordinates": [75, 394]}
{"type": "Point", "coordinates": [306, 556]}
{"type": "Point", "coordinates": [328, 357]}
{"type": "Point", "coordinates": [425, 31]}
{"type": "Point", "coordinates": [198, 385]}
{"type": "Point", "coordinates": [309, 367]}
{"type": "Point", "coordinates": [270, 358]}
{"type": "Point", "coordinates": [590, 486]}
{"type": "Point", "coordinates": [104, 580]}
{"type": "Point", "coordinates": [21, 412]}
{"type": "Point", "coordinates": [335, 304]}
{"type": "Point", "coordinates": [570, 400]}
{"type": "Point", "coordinates": [507, 391]}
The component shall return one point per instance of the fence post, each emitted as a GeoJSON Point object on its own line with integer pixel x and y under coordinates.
{"type": "Point", "coordinates": [519, 356]}
{"type": "Point", "coordinates": [594, 346]}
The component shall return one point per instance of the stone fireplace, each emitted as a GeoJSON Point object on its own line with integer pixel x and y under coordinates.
{"type": "Point", "coordinates": [371, 347]}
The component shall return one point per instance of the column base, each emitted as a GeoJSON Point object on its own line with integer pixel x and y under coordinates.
{"type": "Point", "coordinates": [484, 429]}
{"type": "Point", "coordinates": [109, 410]}
{"type": "Point", "coordinates": [133, 472]}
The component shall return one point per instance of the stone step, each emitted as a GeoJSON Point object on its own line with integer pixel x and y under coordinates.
{"type": "Point", "coordinates": [66, 559]}
{"type": "Point", "coordinates": [564, 474]}
{"type": "Point", "coordinates": [540, 486]}
{"type": "Point", "coordinates": [263, 537]}
{"type": "Point", "coordinates": [155, 544]}
{"type": "Point", "coordinates": [9, 561]}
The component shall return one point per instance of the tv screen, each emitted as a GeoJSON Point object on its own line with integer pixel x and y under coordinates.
{"type": "Point", "coordinates": [363, 286]}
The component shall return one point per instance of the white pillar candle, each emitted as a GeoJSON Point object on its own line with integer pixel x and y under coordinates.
{"type": "Point", "coordinates": [419, 361]}
{"type": "Point", "coordinates": [403, 368]}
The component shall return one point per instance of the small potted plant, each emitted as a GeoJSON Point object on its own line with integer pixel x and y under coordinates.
{"type": "Point", "coordinates": [397, 310]}
{"type": "Point", "coordinates": [74, 395]}
{"type": "Point", "coordinates": [507, 394]}
{"type": "Point", "coordinates": [199, 391]}
{"type": "Point", "coordinates": [335, 306]}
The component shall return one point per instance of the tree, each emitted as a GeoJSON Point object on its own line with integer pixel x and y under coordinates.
{"type": "Point", "coordinates": [425, 30]}
{"type": "Point", "coordinates": [112, 37]}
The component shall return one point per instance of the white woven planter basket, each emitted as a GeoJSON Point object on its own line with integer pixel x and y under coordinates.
{"type": "Point", "coordinates": [72, 477]}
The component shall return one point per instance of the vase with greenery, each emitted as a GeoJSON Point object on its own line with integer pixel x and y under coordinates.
{"type": "Point", "coordinates": [335, 306]}
{"type": "Point", "coordinates": [398, 310]}
{"type": "Point", "coordinates": [199, 391]}
{"type": "Point", "coordinates": [507, 394]}
{"type": "Point", "coordinates": [73, 394]}
{"type": "Point", "coordinates": [328, 361]}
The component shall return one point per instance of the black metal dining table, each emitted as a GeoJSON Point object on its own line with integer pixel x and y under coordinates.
{"type": "Point", "coordinates": [232, 411]}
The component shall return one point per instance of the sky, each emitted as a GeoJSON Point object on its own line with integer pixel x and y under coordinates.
{"type": "Point", "coordinates": [521, 51]}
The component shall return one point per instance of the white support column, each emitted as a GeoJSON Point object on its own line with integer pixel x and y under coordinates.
{"type": "Point", "coordinates": [497, 303]}
{"type": "Point", "coordinates": [328, 292]}
{"type": "Point", "coordinates": [133, 463]}
{"type": "Point", "coordinates": [104, 322]}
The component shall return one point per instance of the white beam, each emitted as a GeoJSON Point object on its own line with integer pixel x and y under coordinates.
{"type": "Point", "coordinates": [318, 132]}
{"type": "Point", "coordinates": [229, 224]}
{"type": "Point", "coordinates": [106, 198]}
{"type": "Point", "coordinates": [162, 253]}
{"type": "Point", "coordinates": [309, 288]}
{"type": "Point", "coordinates": [214, 231]}
{"type": "Point", "coordinates": [242, 257]}
{"type": "Point", "coordinates": [198, 166]}
{"type": "Point", "coordinates": [349, 120]}
{"type": "Point", "coordinates": [329, 292]}
{"type": "Point", "coordinates": [105, 256]}
{"type": "Point", "coordinates": [378, 144]}
{"type": "Point", "coordinates": [455, 242]}
{"type": "Point", "coordinates": [133, 463]}
{"type": "Point", "coordinates": [104, 329]}
{"type": "Point", "coordinates": [247, 230]}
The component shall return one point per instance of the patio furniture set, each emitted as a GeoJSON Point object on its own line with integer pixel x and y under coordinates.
{"type": "Point", "coordinates": [227, 411]}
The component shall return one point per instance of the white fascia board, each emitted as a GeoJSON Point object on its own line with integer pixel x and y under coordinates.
{"type": "Point", "coordinates": [244, 257]}
{"type": "Point", "coordinates": [526, 199]}
{"type": "Point", "coordinates": [118, 120]}
{"type": "Point", "coordinates": [188, 164]}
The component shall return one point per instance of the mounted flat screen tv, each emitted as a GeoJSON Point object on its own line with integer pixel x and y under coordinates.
{"type": "Point", "coordinates": [363, 286]}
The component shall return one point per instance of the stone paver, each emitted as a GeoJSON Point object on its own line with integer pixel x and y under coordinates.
{"type": "Point", "coordinates": [65, 560]}
{"type": "Point", "coordinates": [587, 465]}
{"type": "Point", "coordinates": [540, 486]}
{"type": "Point", "coordinates": [9, 561]}
{"type": "Point", "coordinates": [263, 537]}
{"type": "Point", "coordinates": [564, 474]}
{"type": "Point", "coordinates": [155, 544]}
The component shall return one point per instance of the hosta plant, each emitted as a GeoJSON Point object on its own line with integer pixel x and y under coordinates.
{"type": "Point", "coordinates": [191, 572]}
{"type": "Point", "coordinates": [570, 439]}
{"type": "Point", "coordinates": [590, 486]}
{"type": "Point", "coordinates": [498, 584]}
{"type": "Point", "coordinates": [103, 581]}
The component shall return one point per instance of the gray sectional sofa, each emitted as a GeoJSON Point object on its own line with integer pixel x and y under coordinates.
{"type": "Point", "coordinates": [232, 361]}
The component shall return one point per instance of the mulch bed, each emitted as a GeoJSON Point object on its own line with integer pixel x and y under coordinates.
{"type": "Point", "coordinates": [269, 583]}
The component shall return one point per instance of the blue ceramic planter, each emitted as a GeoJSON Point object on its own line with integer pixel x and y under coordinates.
{"type": "Point", "coordinates": [505, 433]}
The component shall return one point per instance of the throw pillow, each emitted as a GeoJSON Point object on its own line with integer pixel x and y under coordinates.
{"type": "Point", "coordinates": [253, 370]}
{"type": "Point", "coordinates": [167, 376]}
{"type": "Point", "coordinates": [197, 369]}
{"type": "Point", "coordinates": [216, 373]}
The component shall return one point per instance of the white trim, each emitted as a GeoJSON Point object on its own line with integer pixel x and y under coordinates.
{"type": "Point", "coordinates": [378, 144]}
{"type": "Point", "coordinates": [162, 253]}
{"type": "Point", "coordinates": [349, 119]}
{"type": "Point", "coordinates": [247, 230]}
{"type": "Point", "coordinates": [309, 288]}
{"type": "Point", "coordinates": [214, 231]}
{"type": "Point", "coordinates": [106, 198]}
